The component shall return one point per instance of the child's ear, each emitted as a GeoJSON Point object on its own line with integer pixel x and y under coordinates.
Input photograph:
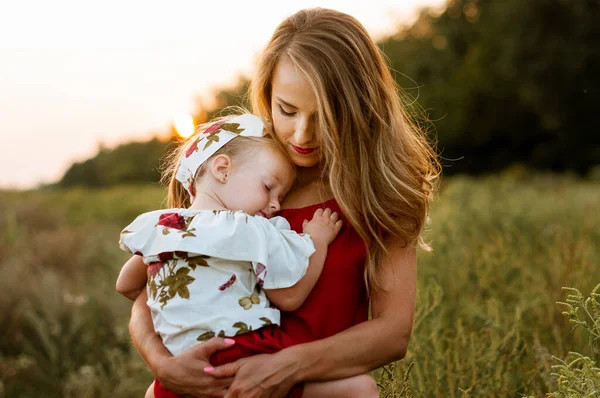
{"type": "Point", "coordinates": [220, 168]}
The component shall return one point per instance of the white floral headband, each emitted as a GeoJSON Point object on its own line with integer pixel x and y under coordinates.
{"type": "Point", "coordinates": [210, 141]}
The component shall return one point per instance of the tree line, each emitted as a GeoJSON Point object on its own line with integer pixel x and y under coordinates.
{"type": "Point", "coordinates": [494, 82]}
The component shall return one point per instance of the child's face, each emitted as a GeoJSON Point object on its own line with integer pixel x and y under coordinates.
{"type": "Point", "coordinates": [258, 185]}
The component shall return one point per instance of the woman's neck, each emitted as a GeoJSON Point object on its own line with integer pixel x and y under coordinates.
{"type": "Point", "coordinates": [308, 175]}
{"type": "Point", "coordinates": [309, 188]}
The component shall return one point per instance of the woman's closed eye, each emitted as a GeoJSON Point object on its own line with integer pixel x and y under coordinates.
{"type": "Point", "coordinates": [284, 113]}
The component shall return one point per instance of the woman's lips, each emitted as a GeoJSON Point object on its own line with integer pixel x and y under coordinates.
{"type": "Point", "coordinates": [303, 151]}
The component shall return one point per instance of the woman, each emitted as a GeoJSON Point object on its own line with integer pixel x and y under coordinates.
{"type": "Point", "coordinates": [335, 108]}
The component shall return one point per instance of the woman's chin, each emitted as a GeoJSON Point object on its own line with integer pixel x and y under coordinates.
{"type": "Point", "coordinates": [300, 160]}
{"type": "Point", "coordinates": [305, 161]}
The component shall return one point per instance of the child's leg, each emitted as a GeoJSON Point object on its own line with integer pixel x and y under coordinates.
{"type": "Point", "coordinates": [150, 391]}
{"type": "Point", "coordinates": [362, 386]}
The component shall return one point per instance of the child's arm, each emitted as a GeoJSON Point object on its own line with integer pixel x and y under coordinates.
{"type": "Point", "coordinates": [132, 278]}
{"type": "Point", "coordinates": [323, 228]}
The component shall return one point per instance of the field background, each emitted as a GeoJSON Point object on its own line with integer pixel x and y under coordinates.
{"type": "Point", "coordinates": [487, 323]}
{"type": "Point", "coordinates": [510, 92]}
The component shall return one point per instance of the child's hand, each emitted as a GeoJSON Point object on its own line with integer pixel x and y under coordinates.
{"type": "Point", "coordinates": [324, 226]}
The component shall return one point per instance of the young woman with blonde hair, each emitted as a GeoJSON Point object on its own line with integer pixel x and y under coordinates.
{"type": "Point", "coordinates": [335, 109]}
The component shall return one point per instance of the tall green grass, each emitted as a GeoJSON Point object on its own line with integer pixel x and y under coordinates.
{"type": "Point", "coordinates": [64, 329]}
{"type": "Point", "coordinates": [487, 322]}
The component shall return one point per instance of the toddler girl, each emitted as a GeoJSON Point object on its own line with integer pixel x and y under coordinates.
{"type": "Point", "coordinates": [213, 269]}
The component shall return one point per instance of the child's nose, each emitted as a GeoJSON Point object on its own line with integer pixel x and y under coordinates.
{"type": "Point", "coordinates": [275, 206]}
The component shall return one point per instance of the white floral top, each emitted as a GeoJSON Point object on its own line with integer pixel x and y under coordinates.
{"type": "Point", "coordinates": [206, 270]}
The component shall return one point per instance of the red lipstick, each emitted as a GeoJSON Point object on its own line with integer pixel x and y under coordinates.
{"type": "Point", "coordinates": [303, 151]}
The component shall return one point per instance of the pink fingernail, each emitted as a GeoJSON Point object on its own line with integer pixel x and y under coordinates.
{"type": "Point", "coordinates": [229, 341]}
{"type": "Point", "coordinates": [209, 369]}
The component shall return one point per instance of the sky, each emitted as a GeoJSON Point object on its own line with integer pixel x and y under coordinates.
{"type": "Point", "coordinates": [75, 75]}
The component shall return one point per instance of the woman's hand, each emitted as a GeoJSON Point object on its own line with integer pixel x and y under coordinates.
{"type": "Point", "coordinates": [184, 373]}
{"type": "Point", "coordinates": [384, 339]}
{"type": "Point", "coordinates": [258, 376]}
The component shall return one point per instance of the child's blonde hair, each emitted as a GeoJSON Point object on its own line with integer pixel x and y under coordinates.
{"type": "Point", "coordinates": [239, 149]}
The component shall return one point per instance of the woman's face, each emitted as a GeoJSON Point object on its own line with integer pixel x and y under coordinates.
{"type": "Point", "coordinates": [294, 114]}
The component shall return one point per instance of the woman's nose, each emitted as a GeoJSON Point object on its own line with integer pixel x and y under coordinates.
{"type": "Point", "coordinates": [304, 133]}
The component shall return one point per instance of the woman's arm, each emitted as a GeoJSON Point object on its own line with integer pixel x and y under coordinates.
{"type": "Point", "coordinates": [383, 339]}
{"type": "Point", "coordinates": [183, 373]}
{"type": "Point", "coordinates": [132, 278]}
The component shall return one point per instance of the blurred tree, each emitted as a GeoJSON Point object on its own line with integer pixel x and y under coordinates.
{"type": "Point", "coordinates": [495, 82]}
{"type": "Point", "coordinates": [128, 163]}
{"type": "Point", "coordinates": [507, 81]}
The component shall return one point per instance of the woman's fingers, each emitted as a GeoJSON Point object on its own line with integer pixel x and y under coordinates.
{"type": "Point", "coordinates": [227, 370]}
{"type": "Point", "coordinates": [206, 349]}
{"type": "Point", "coordinates": [281, 391]}
{"type": "Point", "coordinates": [223, 384]}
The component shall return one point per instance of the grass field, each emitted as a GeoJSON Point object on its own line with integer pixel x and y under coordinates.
{"type": "Point", "coordinates": [487, 320]}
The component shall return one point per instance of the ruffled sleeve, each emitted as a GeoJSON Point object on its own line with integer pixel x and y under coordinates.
{"type": "Point", "coordinates": [285, 247]}
{"type": "Point", "coordinates": [279, 255]}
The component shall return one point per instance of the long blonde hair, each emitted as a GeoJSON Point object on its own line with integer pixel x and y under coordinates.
{"type": "Point", "coordinates": [382, 168]}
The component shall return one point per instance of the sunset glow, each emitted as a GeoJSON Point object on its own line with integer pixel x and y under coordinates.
{"type": "Point", "coordinates": [156, 61]}
{"type": "Point", "coordinates": [184, 125]}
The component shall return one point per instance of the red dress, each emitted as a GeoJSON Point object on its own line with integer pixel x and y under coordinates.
{"type": "Point", "coordinates": [337, 302]}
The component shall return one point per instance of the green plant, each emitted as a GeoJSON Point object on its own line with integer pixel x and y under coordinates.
{"type": "Point", "coordinates": [579, 375]}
